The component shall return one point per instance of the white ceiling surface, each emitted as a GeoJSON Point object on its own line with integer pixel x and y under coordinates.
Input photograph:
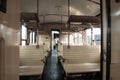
{"type": "Point", "coordinates": [77, 7]}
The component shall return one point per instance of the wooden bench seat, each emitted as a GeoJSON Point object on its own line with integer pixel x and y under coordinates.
{"type": "Point", "coordinates": [81, 54]}
{"type": "Point", "coordinates": [30, 70]}
{"type": "Point", "coordinates": [80, 59]}
{"type": "Point", "coordinates": [77, 59]}
{"type": "Point", "coordinates": [30, 60]}
{"type": "Point", "coordinates": [80, 68]}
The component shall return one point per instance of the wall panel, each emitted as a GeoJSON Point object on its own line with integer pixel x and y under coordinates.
{"type": "Point", "coordinates": [9, 31]}
{"type": "Point", "coordinates": [115, 40]}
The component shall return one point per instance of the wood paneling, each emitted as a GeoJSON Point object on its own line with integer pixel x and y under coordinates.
{"type": "Point", "coordinates": [115, 40]}
{"type": "Point", "coordinates": [115, 71]}
{"type": "Point", "coordinates": [115, 32]}
{"type": "Point", "coordinates": [9, 31]}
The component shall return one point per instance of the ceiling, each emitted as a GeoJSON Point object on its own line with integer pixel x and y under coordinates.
{"type": "Point", "coordinates": [57, 10]}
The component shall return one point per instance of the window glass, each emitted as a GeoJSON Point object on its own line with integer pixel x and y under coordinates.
{"type": "Point", "coordinates": [96, 36]}
{"type": "Point", "coordinates": [23, 43]}
{"type": "Point", "coordinates": [88, 36]}
{"type": "Point", "coordinates": [24, 32]}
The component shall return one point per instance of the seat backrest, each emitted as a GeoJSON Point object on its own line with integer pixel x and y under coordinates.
{"type": "Point", "coordinates": [31, 56]}
{"type": "Point", "coordinates": [82, 54]}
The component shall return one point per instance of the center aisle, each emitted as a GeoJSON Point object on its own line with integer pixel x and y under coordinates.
{"type": "Point", "coordinates": [53, 69]}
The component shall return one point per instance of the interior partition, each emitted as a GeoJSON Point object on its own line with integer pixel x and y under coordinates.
{"type": "Point", "coordinates": [115, 40]}
{"type": "Point", "coordinates": [111, 19]}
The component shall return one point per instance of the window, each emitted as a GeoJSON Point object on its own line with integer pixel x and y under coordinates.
{"type": "Point", "coordinates": [24, 32]}
{"type": "Point", "coordinates": [88, 36]}
{"type": "Point", "coordinates": [28, 36]}
{"type": "Point", "coordinates": [32, 37]}
{"type": "Point", "coordinates": [77, 39]}
{"type": "Point", "coordinates": [3, 5]}
{"type": "Point", "coordinates": [23, 35]}
{"type": "Point", "coordinates": [96, 36]}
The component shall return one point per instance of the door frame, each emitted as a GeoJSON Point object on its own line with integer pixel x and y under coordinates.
{"type": "Point", "coordinates": [108, 47]}
{"type": "Point", "coordinates": [51, 35]}
{"type": "Point", "coordinates": [2, 59]}
{"type": "Point", "coordinates": [102, 54]}
{"type": "Point", "coordinates": [108, 57]}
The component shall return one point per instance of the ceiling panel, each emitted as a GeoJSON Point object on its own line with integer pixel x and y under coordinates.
{"type": "Point", "coordinates": [60, 7]}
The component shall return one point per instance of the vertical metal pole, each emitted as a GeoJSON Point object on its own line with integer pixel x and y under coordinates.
{"type": "Point", "coordinates": [68, 35]}
{"type": "Point", "coordinates": [21, 33]}
{"type": "Point", "coordinates": [32, 36]}
{"type": "Point", "coordinates": [74, 38]}
{"type": "Point", "coordinates": [28, 37]}
{"type": "Point", "coordinates": [61, 30]}
{"type": "Point", "coordinates": [61, 19]}
{"type": "Point", "coordinates": [91, 35]}
{"type": "Point", "coordinates": [44, 38]}
{"type": "Point", "coordinates": [68, 24]}
{"type": "Point", "coordinates": [84, 37]}
{"type": "Point", "coordinates": [101, 55]}
{"type": "Point", "coordinates": [108, 10]}
{"type": "Point", "coordinates": [90, 25]}
{"type": "Point", "coordinates": [37, 37]}
{"type": "Point", "coordinates": [78, 38]}
{"type": "Point", "coordinates": [37, 8]}
{"type": "Point", "coordinates": [68, 8]}
{"type": "Point", "coordinates": [60, 35]}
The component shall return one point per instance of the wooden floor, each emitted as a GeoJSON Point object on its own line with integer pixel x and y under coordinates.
{"type": "Point", "coordinates": [78, 76]}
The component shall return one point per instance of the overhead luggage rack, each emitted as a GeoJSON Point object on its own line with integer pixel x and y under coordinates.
{"type": "Point", "coordinates": [83, 19]}
{"type": "Point", "coordinates": [29, 17]}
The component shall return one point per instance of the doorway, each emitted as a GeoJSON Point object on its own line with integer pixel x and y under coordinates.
{"type": "Point", "coordinates": [2, 59]}
{"type": "Point", "coordinates": [55, 38]}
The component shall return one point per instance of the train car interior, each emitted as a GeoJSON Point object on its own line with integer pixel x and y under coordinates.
{"type": "Point", "coordinates": [62, 26]}
{"type": "Point", "coordinates": [59, 39]}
